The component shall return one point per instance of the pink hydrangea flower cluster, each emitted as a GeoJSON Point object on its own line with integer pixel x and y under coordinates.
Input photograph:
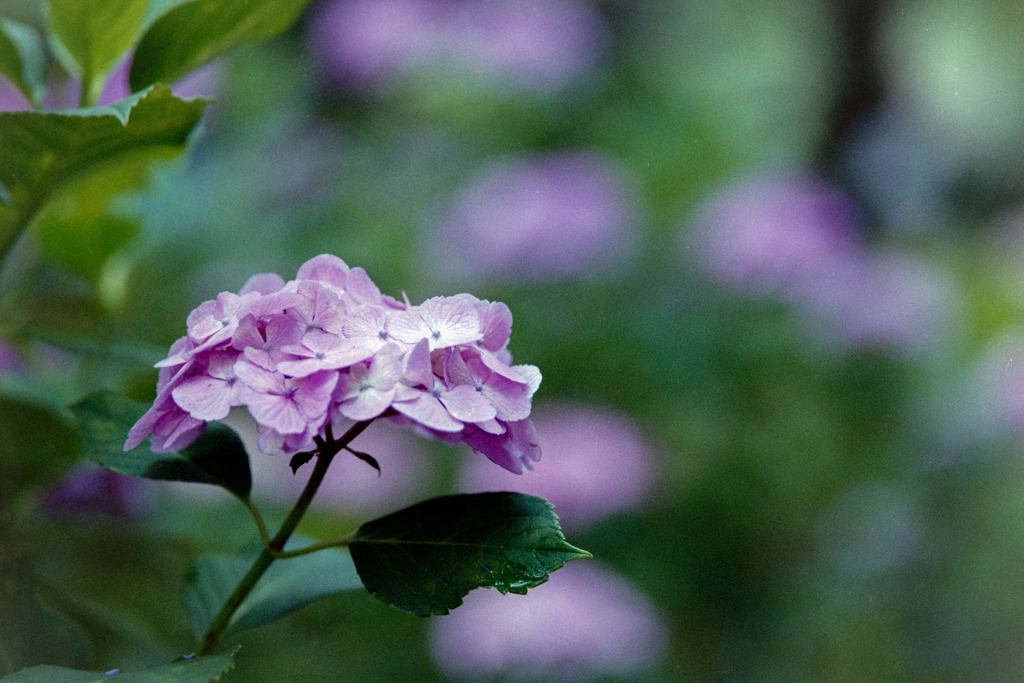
{"type": "Point", "coordinates": [328, 350]}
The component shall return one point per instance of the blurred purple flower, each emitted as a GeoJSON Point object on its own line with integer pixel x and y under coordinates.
{"type": "Point", "coordinates": [203, 82]}
{"type": "Point", "coordinates": [796, 238]}
{"type": "Point", "coordinates": [536, 45]}
{"type": "Point", "coordinates": [775, 234]}
{"type": "Point", "coordinates": [11, 361]}
{"type": "Point", "coordinates": [560, 215]}
{"type": "Point", "coordinates": [886, 300]}
{"type": "Point", "coordinates": [116, 88]}
{"type": "Point", "coordinates": [11, 99]}
{"type": "Point", "coordinates": [363, 40]}
{"type": "Point", "coordinates": [93, 490]}
{"type": "Point", "coordinates": [581, 446]}
{"type": "Point", "coordinates": [583, 624]}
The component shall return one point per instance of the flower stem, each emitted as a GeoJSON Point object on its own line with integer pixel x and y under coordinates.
{"type": "Point", "coordinates": [313, 547]}
{"type": "Point", "coordinates": [261, 526]}
{"type": "Point", "coordinates": [326, 451]}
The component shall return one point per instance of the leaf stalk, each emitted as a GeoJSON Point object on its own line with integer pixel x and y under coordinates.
{"type": "Point", "coordinates": [273, 548]}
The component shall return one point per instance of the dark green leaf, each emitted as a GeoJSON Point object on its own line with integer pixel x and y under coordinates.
{"type": "Point", "coordinates": [44, 150]}
{"type": "Point", "coordinates": [426, 558]}
{"type": "Point", "coordinates": [95, 33]}
{"type": "Point", "coordinates": [194, 33]}
{"type": "Point", "coordinates": [191, 670]}
{"type": "Point", "coordinates": [217, 457]}
{"type": "Point", "coordinates": [288, 585]}
{"type": "Point", "coordinates": [22, 59]}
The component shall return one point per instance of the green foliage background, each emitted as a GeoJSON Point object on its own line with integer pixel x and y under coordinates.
{"type": "Point", "coordinates": [768, 441]}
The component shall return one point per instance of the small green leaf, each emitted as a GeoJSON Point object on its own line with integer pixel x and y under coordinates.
{"type": "Point", "coordinates": [95, 34]}
{"type": "Point", "coordinates": [22, 59]}
{"type": "Point", "coordinates": [192, 669]}
{"type": "Point", "coordinates": [42, 151]}
{"type": "Point", "coordinates": [426, 558]}
{"type": "Point", "coordinates": [288, 585]}
{"type": "Point", "coordinates": [300, 459]}
{"type": "Point", "coordinates": [367, 458]}
{"type": "Point", "coordinates": [216, 457]}
{"type": "Point", "coordinates": [194, 33]}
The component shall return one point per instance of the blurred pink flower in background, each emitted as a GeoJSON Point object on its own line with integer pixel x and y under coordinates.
{"type": "Point", "coordinates": [10, 360]}
{"type": "Point", "coordinates": [203, 82]}
{"type": "Point", "coordinates": [536, 45]}
{"type": "Point", "coordinates": [887, 299]}
{"type": "Point", "coordinates": [797, 238]}
{"type": "Point", "coordinates": [552, 216]}
{"type": "Point", "coordinates": [11, 99]}
{"type": "Point", "coordinates": [363, 40]}
{"type": "Point", "coordinates": [775, 234]}
{"type": "Point", "coordinates": [584, 623]}
{"type": "Point", "coordinates": [580, 446]}
{"type": "Point", "coordinates": [88, 489]}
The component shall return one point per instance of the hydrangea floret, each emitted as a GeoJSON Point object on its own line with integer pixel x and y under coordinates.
{"type": "Point", "coordinates": [325, 351]}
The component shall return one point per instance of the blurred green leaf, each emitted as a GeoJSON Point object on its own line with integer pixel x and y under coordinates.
{"type": "Point", "coordinates": [194, 33]}
{"type": "Point", "coordinates": [45, 150]}
{"type": "Point", "coordinates": [426, 558]}
{"type": "Point", "coordinates": [95, 34]}
{"type": "Point", "coordinates": [37, 444]}
{"type": "Point", "coordinates": [22, 59]}
{"type": "Point", "coordinates": [216, 457]}
{"type": "Point", "coordinates": [76, 228]}
{"type": "Point", "coordinates": [31, 632]}
{"type": "Point", "coordinates": [209, 668]}
{"type": "Point", "coordinates": [287, 585]}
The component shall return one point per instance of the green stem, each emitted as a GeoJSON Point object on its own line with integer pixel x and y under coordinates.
{"type": "Point", "coordinates": [327, 449]}
{"type": "Point", "coordinates": [313, 547]}
{"type": "Point", "coordinates": [260, 524]}
{"type": "Point", "coordinates": [86, 97]}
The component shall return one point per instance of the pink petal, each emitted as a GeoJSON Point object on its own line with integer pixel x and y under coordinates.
{"type": "Point", "coordinates": [467, 404]}
{"type": "Point", "coordinates": [325, 268]}
{"type": "Point", "coordinates": [204, 398]}
{"type": "Point", "coordinates": [367, 404]}
{"type": "Point", "coordinates": [429, 412]}
{"type": "Point", "coordinates": [418, 371]}
{"type": "Point", "coordinates": [263, 283]}
{"type": "Point", "coordinates": [513, 450]}
{"type": "Point", "coordinates": [277, 412]}
{"type": "Point", "coordinates": [510, 399]}
{"type": "Point", "coordinates": [257, 379]}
